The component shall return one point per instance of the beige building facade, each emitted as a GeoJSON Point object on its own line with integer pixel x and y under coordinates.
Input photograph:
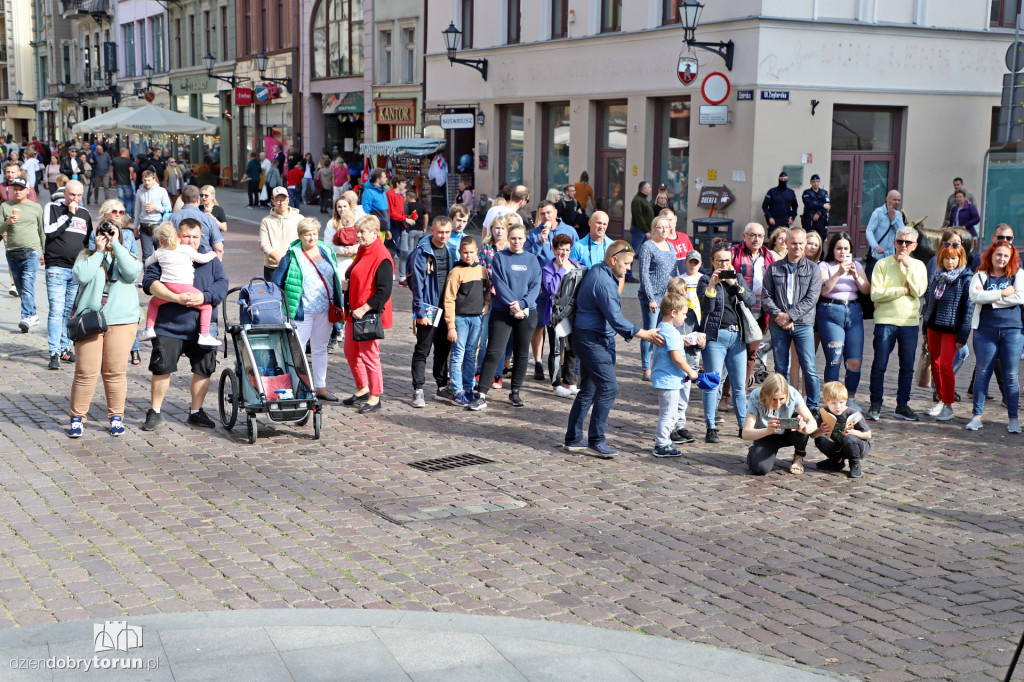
{"type": "Point", "coordinates": [904, 91]}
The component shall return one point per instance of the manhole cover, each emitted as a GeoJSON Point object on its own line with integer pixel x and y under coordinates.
{"type": "Point", "coordinates": [450, 462]}
{"type": "Point", "coordinates": [434, 507]}
{"type": "Point", "coordinates": [761, 569]}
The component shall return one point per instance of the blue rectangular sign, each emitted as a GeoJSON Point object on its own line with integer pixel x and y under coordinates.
{"type": "Point", "coordinates": [744, 95]}
{"type": "Point", "coordinates": [782, 95]}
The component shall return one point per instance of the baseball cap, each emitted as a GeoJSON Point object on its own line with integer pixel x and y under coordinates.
{"type": "Point", "coordinates": [815, 177]}
{"type": "Point", "coordinates": [20, 182]}
{"type": "Point", "coordinates": [278, 191]}
{"type": "Point", "coordinates": [694, 255]}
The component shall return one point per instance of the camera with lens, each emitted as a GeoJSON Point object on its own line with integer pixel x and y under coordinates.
{"type": "Point", "coordinates": [106, 229]}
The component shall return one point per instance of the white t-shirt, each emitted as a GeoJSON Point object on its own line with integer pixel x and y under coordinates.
{"type": "Point", "coordinates": [31, 168]}
{"type": "Point", "coordinates": [176, 264]}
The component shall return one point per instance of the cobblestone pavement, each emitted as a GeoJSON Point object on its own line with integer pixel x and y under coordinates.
{"type": "Point", "coordinates": [912, 572]}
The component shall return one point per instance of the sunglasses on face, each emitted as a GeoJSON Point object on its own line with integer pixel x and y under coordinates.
{"type": "Point", "coordinates": [1008, 238]}
{"type": "Point", "coordinates": [205, 196]}
{"type": "Point", "coordinates": [905, 242]}
{"type": "Point", "coordinates": [951, 244]}
{"type": "Point", "coordinates": [117, 212]}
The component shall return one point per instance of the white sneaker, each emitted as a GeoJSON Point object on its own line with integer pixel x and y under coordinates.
{"type": "Point", "coordinates": [147, 334]}
{"type": "Point", "coordinates": [207, 340]}
{"type": "Point", "coordinates": [937, 409]}
{"type": "Point", "coordinates": [945, 415]}
{"type": "Point", "coordinates": [563, 392]}
{"type": "Point", "coordinates": [974, 424]}
{"type": "Point", "coordinates": [1013, 426]}
{"type": "Point", "coordinates": [574, 389]}
{"type": "Point", "coordinates": [33, 321]}
{"type": "Point", "coordinates": [13, 291]}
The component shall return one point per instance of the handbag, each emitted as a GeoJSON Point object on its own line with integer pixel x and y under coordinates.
{"type": "Point", "coordinates": [345, 236]}
{"type": "Point", "coordinates": [335, 313]}
{"type": "Point", "coordinates": [923, 376]}
{"type": "Point", "coordinates": [89, 322]}
{"type": "Point", "coordinates": [369, 327]}
{"type": "Point", "coordinates": [748, 323]}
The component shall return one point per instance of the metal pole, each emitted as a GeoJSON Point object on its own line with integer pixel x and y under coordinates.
{"type": "Point", "coordinates": [1013, 663]}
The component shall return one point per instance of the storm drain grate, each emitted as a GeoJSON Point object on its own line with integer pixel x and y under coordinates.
{"type": "Point", "coordinates": [451, 462]}
{"type": "Point", "coordinates": [763, 570]}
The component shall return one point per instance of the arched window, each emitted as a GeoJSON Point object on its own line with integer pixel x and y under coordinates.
{"type": "Point", "coordinates": [337, 38]}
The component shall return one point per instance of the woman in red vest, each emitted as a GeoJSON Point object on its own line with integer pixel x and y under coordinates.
{"type": "Point", "coordinates": [370, 279]}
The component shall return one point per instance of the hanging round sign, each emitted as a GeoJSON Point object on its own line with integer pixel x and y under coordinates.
{"type": "Point", "coordinates": [715, 88]}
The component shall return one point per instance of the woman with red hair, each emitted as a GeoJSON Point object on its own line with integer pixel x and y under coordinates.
{"type": "Point", "coordinates": [946, 311]}
{"type": "Point", "coordinates": [997, 290]}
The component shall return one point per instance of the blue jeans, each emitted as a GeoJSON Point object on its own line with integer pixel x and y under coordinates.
{"type": "Point", "coordinates": [730, 352]}
{"type": "Point", "coordinates": [650, 321]}
{"type": "Point", "coordinates": [308, 187]}
{"type": "Point", "coordinates": [1006, 345]}
{"type": "Point", "coordinates": [598, 386]}
{"type": "Point", "coordinates": [406, 245]}
{"type": "Point", "coordinates": [802, 336]}
{"type": "Point", "coordinates": [293, 196]}
{"type": "Point", "coordinates": [636, 240]}
{"type": "Point", "coordinates": [886, 338]}
{"type": "Point", "coordinates": [841, 329]}
{"type": "Point", "coordinates": [126, 195]}
{"type": "Point", "coordinates": [462, 366]}
{"type": "Point", "coordinates": [24, 274]}
{"type": "Point", "coordinates": [61, 289]}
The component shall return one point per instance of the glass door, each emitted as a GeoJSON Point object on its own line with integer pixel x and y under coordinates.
{"type": "Point", "coordinates": [611, 166]}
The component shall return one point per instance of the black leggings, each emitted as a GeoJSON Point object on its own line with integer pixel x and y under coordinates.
{"type": "Point", "coordinates": [852, 449]}
{"type": "Point", "coordinates": [561, 359]}
{"type": "Point", "coordinates": [761, 456]}
{"type": "Point", "coordinates": [502, 325]}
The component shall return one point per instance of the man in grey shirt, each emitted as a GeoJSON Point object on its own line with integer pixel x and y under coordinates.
{"type": "Point", "coordinates": [100, 174]}
{"type": "Point", "coordinates": [212, 238]}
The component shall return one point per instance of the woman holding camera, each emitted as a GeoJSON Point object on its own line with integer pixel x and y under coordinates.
{"type": "Point", "coordinates": [106, 278]}
{"type": "Point", "coordinates": [839, 319]}
{"type": "Point", "coordinates": [778, 418]}
{"type": "Point", "coordinates": [657, 266]}
{"type": "Point", "coordinates": [719, 294]}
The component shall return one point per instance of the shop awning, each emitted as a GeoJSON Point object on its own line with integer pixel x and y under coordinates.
{"type": "Point", "coordinates": [410, 146]}
{"type": "Point", "coordinates": [349, 103]}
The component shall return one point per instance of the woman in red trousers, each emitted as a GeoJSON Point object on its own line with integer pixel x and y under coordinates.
{"type": "Point", "coordinates": [369, 292]}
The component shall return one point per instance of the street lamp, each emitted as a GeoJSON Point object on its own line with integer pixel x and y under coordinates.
{"type": "Point", "coordinates": [147, 71]}
{"type": "Point", "coordinates": [261, 66]}
{"type": "Point", "coordinates": [19, 96]}
{"type": "Point", "coordinates": [452, 42]}
{"type": "Point", "coordinates": [62, 90]}
{"type": "Point", "coordinates": [690, 11]}
{"type": "Point", "coordinates": [209, 60]}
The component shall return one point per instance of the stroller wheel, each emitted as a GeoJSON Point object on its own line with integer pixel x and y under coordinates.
{"type": "Point", "coordinates": [227, 399]}
{"type": "Point", "coordinates": [317, 421]}
{"type": "Point", "coordinates": [250, 423]}
{"type": "Point", "coordinates": [303, 421]}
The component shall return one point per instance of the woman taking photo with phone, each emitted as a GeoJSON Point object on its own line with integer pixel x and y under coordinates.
{"type": "Point", "coordinates": [839, 319]}
{"type": "Point", "coordinates": [777, 418]}
{"type": "Point", "coordinates": [718, 296]}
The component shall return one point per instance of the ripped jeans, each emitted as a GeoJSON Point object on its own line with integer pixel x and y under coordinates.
{"type": "Point", "coordinates": [841, 330]}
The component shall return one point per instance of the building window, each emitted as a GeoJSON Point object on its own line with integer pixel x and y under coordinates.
{"type": "Point", "coordinates": [556, 146]}
{"type": "Point", "coordinates": [177, 44]}
{"type": "Point", "coordinates": [467, 24]}
{"type": "Point", "coordinates": [129, 49]}
{"type": "Point", "coordinates": [408, 55]}
{"type": "Point", "coordinates": [862, 129]}
{"type": "Point", "coordinates": [670, 12]}
{"type": "Point", "coordinates": [159, 48]}
{"type": "Point", "coordinates": [611, 16]}
{"type": "Point", "coordinates": [512, 144]}
{"type": "Point", "coordinates": [559, 18]}
{"type": "Point", "coordinates": [224, 33]}
{"type": "Point", "coordinates": [141, 33]}
{"type": "Point", "coordinates": [337, 38]}
{"type": "Point", "coordinates": [514, 16]}
{"type": "Point", "coordinates": [280, 24]}
{"type": "Point", "coordinates": [1004, 13]}
{"type": "Point", "coordinates": [384, 74]}
{"type": "Point", "coordinates": [191, 40]}
{"type": "Point", "coordinates": [206, 33]}
{"type": "Point", "coordinates": [67, 64]}
{"type": "Point", "coordinates": [672, 152]}
{"type": "Point", "coordinates": [244, 34]}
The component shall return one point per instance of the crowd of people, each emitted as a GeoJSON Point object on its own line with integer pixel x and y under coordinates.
{"type": "Point", "coordinates": [552, 278]}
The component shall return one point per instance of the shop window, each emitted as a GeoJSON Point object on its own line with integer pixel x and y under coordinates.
{"type": "Point", "coordinates": [559, 18]}
{"type": "Point", "coordinates": [611, 16]}
{"type": "Point", "coordinates": [1004, 13]}
{"type": "Point", "coordinates": [672, 152]}
{"type": "Point", "coordinates": [337, 38]}
{"type": "Point", "coordinates": [512, 144]}
{"type": "Point", "coordinates": [556, 146]}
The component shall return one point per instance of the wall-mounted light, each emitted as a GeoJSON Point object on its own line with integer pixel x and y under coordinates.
{"type": "Point", "coordinates": [814, 105]}
{"type": "Point", "coordinates": [690, 11]}
{"type": "Point", "coordinates": [452, 43]}
{"type": "Point", "coordinates": [479, 117]}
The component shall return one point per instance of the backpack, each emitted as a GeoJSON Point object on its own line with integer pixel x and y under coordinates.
{"type": "Point", "coordinates": [564, 302]}
{"type": "Point", "coordinates": [261, 302]}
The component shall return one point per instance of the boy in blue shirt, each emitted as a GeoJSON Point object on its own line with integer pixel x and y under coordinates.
{"type": "Point", "coordinates": [669, 369]}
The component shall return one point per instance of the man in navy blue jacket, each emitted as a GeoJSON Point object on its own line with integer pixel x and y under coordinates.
{"type": "Point", "coordinates": [427, 270]}
{"type": "Point", "coordinates": [598, 319]}
{"type": "Point", "coordinates": [177, 330]}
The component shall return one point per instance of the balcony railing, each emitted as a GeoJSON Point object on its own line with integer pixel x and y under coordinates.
{"type": "Point", "coordinates": [98, 9]}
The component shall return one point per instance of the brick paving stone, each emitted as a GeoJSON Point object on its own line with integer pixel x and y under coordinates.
{"type": "Point", "coordinates": [914, 570]}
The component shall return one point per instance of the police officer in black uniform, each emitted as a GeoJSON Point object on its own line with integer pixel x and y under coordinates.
{"type": "Point", "coordinates": [816, 206]}
{"type": "Point", "coordinates": [779, 205]}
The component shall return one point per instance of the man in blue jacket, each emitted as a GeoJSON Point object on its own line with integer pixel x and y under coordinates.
{"type": "Point", "coordinates": [177, 330]}
{"type": "Point", "coordinates": [375, 199]}
{"type": "Point", "coordinates": [427, 271]}
{"type": "Point", "coordinates": [779, 205]}
{"type": "Point", "coordinates": [598, 318]}
{"type": "Point", "coordinates": [816, 208]}
{"type": "Point", "coordinates": [549, 225]}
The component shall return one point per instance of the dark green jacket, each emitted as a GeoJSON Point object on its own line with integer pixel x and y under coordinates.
{"type": "Point", "coordinates": [642, 212]}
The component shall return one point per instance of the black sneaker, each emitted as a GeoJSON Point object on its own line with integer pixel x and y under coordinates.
{"type": "Point", "coordinates": [830, 465]}
{"type": "Point", "coordinates": [201, 420]}
{"type": "Point", "coordinates": [444, 393]}
{"type": "Point", "coordinates": [153, 419]}
{"type": "Point", "coordinates": [712, 436]}
{"type": "Point", "coordinates": [538, 371]}
{"type": "Point", "coordinates": [479, 403]}
{"type": "Point", "coordinates": [68, 356]}
{"type": "Point", "coordinates": [855, 471]}
{"type": "Point", "coordinates": [54, 361]}
{"type": "Point", "coordinates": [905, 413]}
{"type": "Point", "coordinates": [514, 398]}
{"type": "Point", "coordinates": [681, 436]}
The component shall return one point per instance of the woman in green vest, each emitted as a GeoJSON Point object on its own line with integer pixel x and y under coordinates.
{"type": "Point", "coordinates": [308, 275]}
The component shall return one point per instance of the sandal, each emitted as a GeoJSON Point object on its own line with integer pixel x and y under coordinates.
{"type": "Point", "coordinates": [797, 467]}
{"type": "Point", "coordinates": [136, 358]}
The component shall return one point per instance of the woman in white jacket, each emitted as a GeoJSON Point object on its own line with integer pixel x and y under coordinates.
{"type": "Point", "coordinates": [997, 290]}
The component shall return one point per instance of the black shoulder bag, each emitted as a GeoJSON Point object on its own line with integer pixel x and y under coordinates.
{"type": "Point", "coordinates": [89, 322]}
